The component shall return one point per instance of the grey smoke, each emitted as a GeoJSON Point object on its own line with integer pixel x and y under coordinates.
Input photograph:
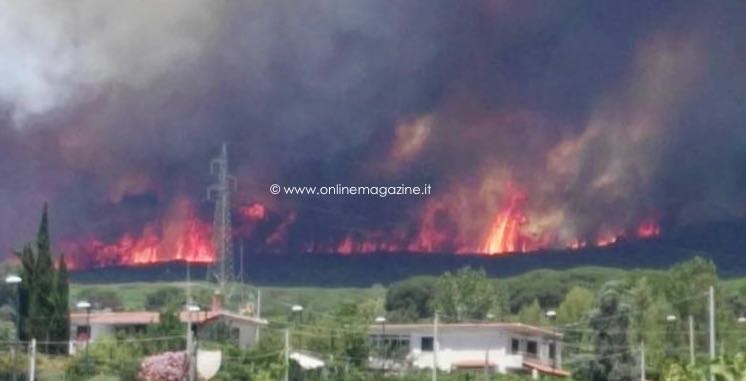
{"type": "Point", "coordinates": [109, 109]}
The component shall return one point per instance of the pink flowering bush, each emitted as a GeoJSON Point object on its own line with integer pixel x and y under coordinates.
{"type": "Point", "coordinates": [167, 366]}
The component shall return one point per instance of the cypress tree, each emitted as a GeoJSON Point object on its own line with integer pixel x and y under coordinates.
{"type": "Point", "coordinates": [44, 291]}
{"type": "Point", "coordinates": [44, 298]}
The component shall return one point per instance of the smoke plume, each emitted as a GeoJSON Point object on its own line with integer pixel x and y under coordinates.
{"type": "Point", "coordinates": [551, 124]}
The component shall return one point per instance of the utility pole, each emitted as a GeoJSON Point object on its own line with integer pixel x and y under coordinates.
{"type": "Point", "coordinates": [221, 270]}
{"type": "Point", "coordinates": [190, 358]}
{"type": "Point", "coordinates": [259, 303]}
{"type": "Point", "coordinates": [287, 354]}
{"type": "Point", "coordinates": [487, 365]}
{"type": "Point", "coordinates": [32, 361]}
{"type": "Point", "coordinates": [258, 312]}
{"type": "Point", "coordinates": [189, 344]}
{"type": "Point", "coordinates": [712, 329]}
{"type": "Point", "coordinates": [691, 339]}
{"type": "Point", "coordinates": [642, 361]}
{"type": "Point", "coordinates": [435, 347]}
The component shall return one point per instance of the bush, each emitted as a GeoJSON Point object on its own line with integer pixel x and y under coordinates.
{"type": "Point", "coordinates": [106, 356]}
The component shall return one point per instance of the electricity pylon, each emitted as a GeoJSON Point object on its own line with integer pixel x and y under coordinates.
{"type": "Point", "coordinates": [221, 270]}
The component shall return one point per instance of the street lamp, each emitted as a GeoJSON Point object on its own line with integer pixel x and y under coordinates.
{"type": "Point", "coordinates": [190, 308]}
{"type": "Point", "coordinates": [297, 309]}
{"type": "Point", "coordinates": [382, 321]}
{"type": "Point", "coordinates": [86, 305]}
{"type": "Point", "coordinates": [551, 315]}
{"type": "Point", "coordinates": [670, 325]}
{"type": "Point", "coordinates": [16, 280]}
{"type": "Point", "coordinates": [13, 279]}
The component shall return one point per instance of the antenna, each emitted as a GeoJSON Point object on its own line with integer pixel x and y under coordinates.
{"type": "Point", "coordinates": [219, 193]}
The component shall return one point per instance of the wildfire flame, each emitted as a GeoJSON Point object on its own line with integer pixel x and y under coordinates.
{"type": "Point", "coordinates": [505, 234]}
{"type": "Point", "coordinates": [180, 236]}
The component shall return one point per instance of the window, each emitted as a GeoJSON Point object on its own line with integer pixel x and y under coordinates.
{"type": "Point", "coordinates": [83, 332]}
{"type": "Point", "coordinates": [235, 335]}
{"type": "Point", "coordinates": [532, 348]}
{"type": "Point", "coordinates": [552, 351]}
{"type": "Point", "coordinates": [426, 344]}
{"type": "Point", "coordinates": [515, 346]}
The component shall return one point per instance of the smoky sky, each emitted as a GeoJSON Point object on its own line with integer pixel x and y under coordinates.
{"type": "Point", "coordinates": [603, 113]}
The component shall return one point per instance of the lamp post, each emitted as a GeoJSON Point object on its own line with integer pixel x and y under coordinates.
{"type": "Point", "coordinates": [551, 316]}
{"type": "Point", "coordinates": [86, 305]}
{"type": "Point", "coordinates": [16, 280]}
{"type": "Point", "coordinates": [670, 335]}
{"type": "Point", "coordinates": [297, 311]}
{"type": "Point", "coordinates": [382, 321]}
{"type": "Point", "coordinates": [190, 308]}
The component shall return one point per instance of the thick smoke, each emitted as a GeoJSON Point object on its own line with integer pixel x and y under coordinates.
{"type": "Point", "coordinates": [601, 114]}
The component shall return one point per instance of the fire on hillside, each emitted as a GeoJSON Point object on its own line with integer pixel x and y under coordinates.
{"type": "Point", "coordinates": [182, 236]}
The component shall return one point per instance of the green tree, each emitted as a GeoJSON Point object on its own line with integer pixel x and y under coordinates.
{"type": "Point", "coordinates": [687, 285]}
{"type": "Point", "coordinates": [60, 320]}
{"type": "Point", "coordinates": [648, 324]}
{"type": "Point", "coordinates": [467, 294]}
{"type": "Point", "coordinates": [165, 298]}
{"type": "Point", "coordinates": [169, 325]}
{"type": "Point", "coordinates": [42, 290]}
{"type": "Point", "coordinates": [576, 305]}
{"type": "Point", "coordinates": [354, 319]}
{"type": "Point", "coordinates": [107, 356]}
{"type": "Point", "coordinates": [410, 300]}
{"type": "Point", "coordinates": [532, 314]}
{"type": "Point", "coordinates": [609, 322]}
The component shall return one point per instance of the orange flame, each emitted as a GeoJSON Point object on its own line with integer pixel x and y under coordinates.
{"type": "Point", "coordinates": [181, 236]}
{"type": "Point", "coordinates": [648, 229]}
{"type": "Point", "coordinates": [607, 239]}
{"type": "Point", "coordinates": [505, 234]}
{"type": "Point", "coordinates": [254, 211]}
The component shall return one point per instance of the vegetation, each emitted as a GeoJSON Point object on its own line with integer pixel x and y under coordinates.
{"type": "Point", "coordinates": [465, 295]}
{"type": "Point", "coordinates": [44, 290]}
{"type": "Point", "coordinates": [603, 314]}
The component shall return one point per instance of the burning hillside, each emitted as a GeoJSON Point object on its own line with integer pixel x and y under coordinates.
{"type": "Point", "coordinates": [181, 236]}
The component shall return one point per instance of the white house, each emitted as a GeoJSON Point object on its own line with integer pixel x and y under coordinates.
{"type": "Point", "coordinates": [499, 347]}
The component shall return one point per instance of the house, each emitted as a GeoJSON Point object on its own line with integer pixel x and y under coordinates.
{"type": "Point", "coordinates": [89, 327]}
{"type": "Point", "coordinates": [496, 347]}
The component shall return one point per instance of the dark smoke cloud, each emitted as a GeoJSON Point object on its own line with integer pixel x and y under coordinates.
{"type": "Point", "coordinates": [604, 113]}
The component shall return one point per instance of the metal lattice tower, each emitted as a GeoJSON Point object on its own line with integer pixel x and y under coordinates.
{"type": "Point", "coordinates": [221, 270]}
